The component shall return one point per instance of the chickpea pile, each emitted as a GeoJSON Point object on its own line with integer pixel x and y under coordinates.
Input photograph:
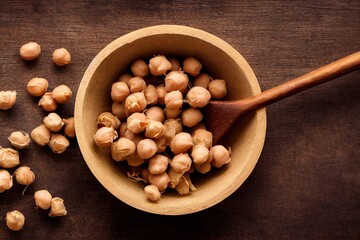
{"type": "Point", "coordinates": [157, 128]}
{"type": "Point", "coordinates": [45, 134]}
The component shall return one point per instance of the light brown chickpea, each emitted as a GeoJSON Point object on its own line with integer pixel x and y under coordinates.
{"type": "Point", "coordinates": [217, 88]}
{"type": "Point", "coordinates": [37, 86]}
{"type": "Point", "coordinates": [61, 57]}
{"type": "Point", "coordinates": [192, 66]}
{"type": "Point", "coordinates": [159, 65]}
{"type": "Point", "coordinates": [139, 68]}
{"type": "Point", "coordinates": [7, 99]}
{"type": "Point", "coordinates": [30, 51]}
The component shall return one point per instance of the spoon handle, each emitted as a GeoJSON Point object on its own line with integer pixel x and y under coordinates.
{"type": "Point", "coordinates": [326, 73]}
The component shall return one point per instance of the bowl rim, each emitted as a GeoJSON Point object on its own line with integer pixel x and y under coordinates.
{"type": "Point", "coordinates": [160, 30]}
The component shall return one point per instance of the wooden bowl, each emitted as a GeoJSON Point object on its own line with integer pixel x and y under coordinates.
{"type": "Point", "coordinates": [221, 61]}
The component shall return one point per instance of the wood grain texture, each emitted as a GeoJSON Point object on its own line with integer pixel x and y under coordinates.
{"type": "Point", "coordinates": [306, 184]}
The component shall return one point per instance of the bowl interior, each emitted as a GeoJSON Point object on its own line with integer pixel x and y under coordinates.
{"type": "Point", "coordinates": [221, 61]}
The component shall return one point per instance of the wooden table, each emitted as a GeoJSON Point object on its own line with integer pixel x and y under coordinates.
{"type": "Point", "coordinates": [306, 184]}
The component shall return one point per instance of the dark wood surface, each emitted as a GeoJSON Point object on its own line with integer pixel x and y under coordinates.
{"type": "Point", "coordinates": [306, 184]}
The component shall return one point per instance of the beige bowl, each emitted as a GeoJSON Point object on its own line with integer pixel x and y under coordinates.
{"type": "Point", "coordinates": [221, 61]}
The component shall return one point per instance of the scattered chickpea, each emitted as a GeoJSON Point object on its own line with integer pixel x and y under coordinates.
{"type": "Point", "coordinates": [19, 139]}
{"type": "Point", "coordinates": [6, 181]}
{"type": "Point", "coordinates": [69, 127]}
{"type": "Point", "coordinates": [53, 122]}
{"type": "Point", "coordinates": [37, 86]}
{"type": "Point", "coordinates": [30, 51]}
{"type": "Point", "coordinates": [62, 94]}
{"type": "Point", "coordinates": [7, 99]}
{"type": "Point", "coordinates": [57, 207]}
{"type": "Point", "coordinates": [61, 57]}
{"type": "Point", "coordinates": [24, 176]}
{"type": "Point", "coordinates": [15, 220]}
{"type": "Point", "coordinates": [58, 143]}
{"type": "Point", "coordinates": [43, 199]}
{"type": "Point", "coordinates": [9, 158]}
{"type": "Point", "coordinates": [41, 135]}
{"type": "Point", "coordinates": [48, 102]}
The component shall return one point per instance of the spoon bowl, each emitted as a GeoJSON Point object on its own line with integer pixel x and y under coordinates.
{"type": "Point", "coordinates": [220, 60]}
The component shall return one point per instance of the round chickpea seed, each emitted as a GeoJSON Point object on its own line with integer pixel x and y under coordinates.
{"type": "Point", "coordinates": [61, 57]}
{"type": "Point", "coordinates": [152, 193]}
{"type": "Point", "coordinates": [192, 66]}
{"type": "Point", "coordinates": [30, 51]}
{"type": "Point", "coordinates": [24, 176]}
{"type": "Point", "coordinates": [42, 199]}
{"type": "Point", "coordinates": [159, 65]}
{"type": "Point", "coordinates": [6, 181]}
{"type": "Point", "coordinates": [139, 68]}
{"type": "Point", "coordinates": [217, 88]}
{"type": "Point", "coordinates": [15, 220]}
{"type": "Point", "coordinates": [37, 86]}
{"type": "Point", "coordinates": [7, 99]}
{"type": "Point", "coordinates": [62, 94]}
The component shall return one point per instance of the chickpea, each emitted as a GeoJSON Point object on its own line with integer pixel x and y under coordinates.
{"type": "Point", "coordinates": [37, 86]}
{"type": "Point", "coordinates": [192, 66]}
{"type": "Point", "coordinates": [30, 51]}
{"type": "Point", "coordinates": [139, 68]}
{"type": "Point", "coordinates": [61, 57]}
{"type": "Point", "coordinates": [7, 99]}
{"type": "Point", "coordinates": [217, 88]}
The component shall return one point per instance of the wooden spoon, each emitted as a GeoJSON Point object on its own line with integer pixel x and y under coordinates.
{"type": "Point", "coordinates": [221, 115]}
